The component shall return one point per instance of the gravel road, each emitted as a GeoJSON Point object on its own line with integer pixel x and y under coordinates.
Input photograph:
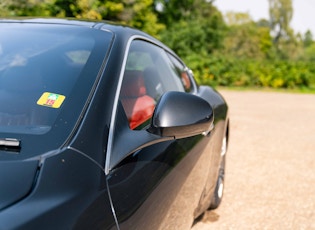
{"type": "Point", "coordinates": [270, 174]}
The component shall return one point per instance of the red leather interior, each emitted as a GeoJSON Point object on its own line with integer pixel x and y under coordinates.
{"type": "Point", "coordinates": [138, 105]}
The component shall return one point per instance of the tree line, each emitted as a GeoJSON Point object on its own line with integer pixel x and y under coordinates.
{"type": "Point", "coordinates": [226, 50]}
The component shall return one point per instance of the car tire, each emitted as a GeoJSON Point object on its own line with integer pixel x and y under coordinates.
{"type": "Point", "coordinates": [218, 192]}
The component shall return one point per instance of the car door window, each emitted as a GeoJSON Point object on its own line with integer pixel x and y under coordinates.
{"type": "Point", "coordinates": [148, 74]}
{"type": "Point", "coordinates": [182, 73]}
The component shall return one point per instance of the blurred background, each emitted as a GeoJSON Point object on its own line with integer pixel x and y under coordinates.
{"type": "Point", "coordinates": [225, 42]}
{"type": "Point", "coordinates": [232, 43]}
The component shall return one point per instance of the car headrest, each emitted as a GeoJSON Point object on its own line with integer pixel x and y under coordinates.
{"type": "Point", "coordinates": [133, 84]}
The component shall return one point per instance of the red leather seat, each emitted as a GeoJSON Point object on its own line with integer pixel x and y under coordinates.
{"type": "Point", "coordinates": [138, 105]}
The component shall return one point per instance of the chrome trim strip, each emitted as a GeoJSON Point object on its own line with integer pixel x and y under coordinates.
{"type": "Point", "coordinates": [112, 206]}
{"type": "Point", "coordinates": [113, 118]}
{"type": "Point", "coordinates": [85, 155]}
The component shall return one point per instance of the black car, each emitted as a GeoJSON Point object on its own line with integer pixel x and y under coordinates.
{"type": "Point", "coordinates": [103, 127]}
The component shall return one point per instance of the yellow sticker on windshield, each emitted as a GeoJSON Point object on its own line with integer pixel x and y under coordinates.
{"type": "Point", "coordinates": [52, 100]}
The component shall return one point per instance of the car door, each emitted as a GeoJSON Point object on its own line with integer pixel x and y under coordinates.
{"type": "Point", "coordinates": [154, 183]}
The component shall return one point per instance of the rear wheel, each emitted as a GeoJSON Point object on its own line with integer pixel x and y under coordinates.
{"type": "Point", "coordinates": [218, 192]}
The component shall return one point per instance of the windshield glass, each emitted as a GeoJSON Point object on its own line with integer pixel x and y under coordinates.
{"type": "Point", "coordinates": [44, 70]}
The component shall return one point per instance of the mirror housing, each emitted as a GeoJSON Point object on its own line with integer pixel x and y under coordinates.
{"type": "Point", "coordinates": [180, 115]}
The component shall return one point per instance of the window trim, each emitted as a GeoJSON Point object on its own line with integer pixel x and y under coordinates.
{"type": "Point", "coordinates": [187, 70]}
{"type": "Point", "coordinates": [116, 100]}
{"type": "Point", "coordinates": [117, 94]}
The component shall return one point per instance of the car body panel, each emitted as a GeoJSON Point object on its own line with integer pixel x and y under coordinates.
{"type": "Point", "coordinates": [174, 167]}
{"type": "Point", "coordinates": [21, 173]}
{"type": "Point", "coordinates": [70, 192]}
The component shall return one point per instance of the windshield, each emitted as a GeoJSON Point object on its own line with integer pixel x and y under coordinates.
{"type": "Point", "coordinates": [40, 67]}
{"type": "Point", "coordinates": [47, 73]}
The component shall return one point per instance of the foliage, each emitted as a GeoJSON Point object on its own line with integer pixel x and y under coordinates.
{"type": "Point", "coordinates": [177, 10]}
{"type": "Point", "coordinates": [310, 53]}
{"type": "Point", "coordinates": [4, 7]}
{"type": "Point", "coordinates": [197, 31]}
{"type": "Point", "coordinates": [26, 7]}
{"type": "Point", "coordinates": [136, 13]}
{"type": "Point", "coordinates": [247, 39]}
{"type": "Point", "coordinates": [308, 39]}
{"type": "Point", "coordinates": [236, 52]}
{"type": "Point", "coordinates": [281, 13]}
{"type": "Point", "coordinates": [140, 14]}
{"type": "Point", "coordinates": [229, 71]}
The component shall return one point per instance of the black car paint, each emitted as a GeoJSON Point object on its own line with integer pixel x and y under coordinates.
{"type": "Point", "coordinates": [169, 163]}
{"type": "Point", "coordinates": [71, 190]}
{"type": "Point", "coordinates": [193, 113]}
{"type": "Point", "coordinates": [9, 191]}
{"type": "Point", "coordinates": [67, 187]}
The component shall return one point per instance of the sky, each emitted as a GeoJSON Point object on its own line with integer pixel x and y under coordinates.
{"type": "Point", "coordinates": [303, 11]}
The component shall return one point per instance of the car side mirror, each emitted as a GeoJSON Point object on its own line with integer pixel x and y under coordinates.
{"type": "Point", "coordinates": [180, 115]}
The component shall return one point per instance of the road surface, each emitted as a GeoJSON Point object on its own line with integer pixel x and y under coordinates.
{"type": "Point", "coordinates": [270, 174]}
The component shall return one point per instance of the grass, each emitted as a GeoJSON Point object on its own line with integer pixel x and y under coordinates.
{"type": "Point", "coordinates": [266, 89]}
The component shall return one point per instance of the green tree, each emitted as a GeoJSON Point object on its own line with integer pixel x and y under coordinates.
{"type": "Point", "coordinates": [310, 53]}
{"type": "Point", "coordinates": [4, 7]}
{"type": "Point", "coordinates": [195, 32]}
{"type": "Point", "coordinates": [308, 39]}
{"type": "Point", "coordinates": [192, 26]}
{"type": "Point", "coordinates": [233, 18]}
{"type": "Point", "coordinates": [281, 13]}
{"type": "Point", "coordinates": [173, 11]}
{"type": "Point", "coordinates": [287, 45]}
{"type": "Point", "coordinates": [86, 9]}
{"type": "Point", "coordinates": [62, 8]}
{"type": "Point", "coordinates": [246, 38]}
{"type": "Point", "coordinates": [139, 14]}
{"type": "Point", "coordinates": [26, 7]}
